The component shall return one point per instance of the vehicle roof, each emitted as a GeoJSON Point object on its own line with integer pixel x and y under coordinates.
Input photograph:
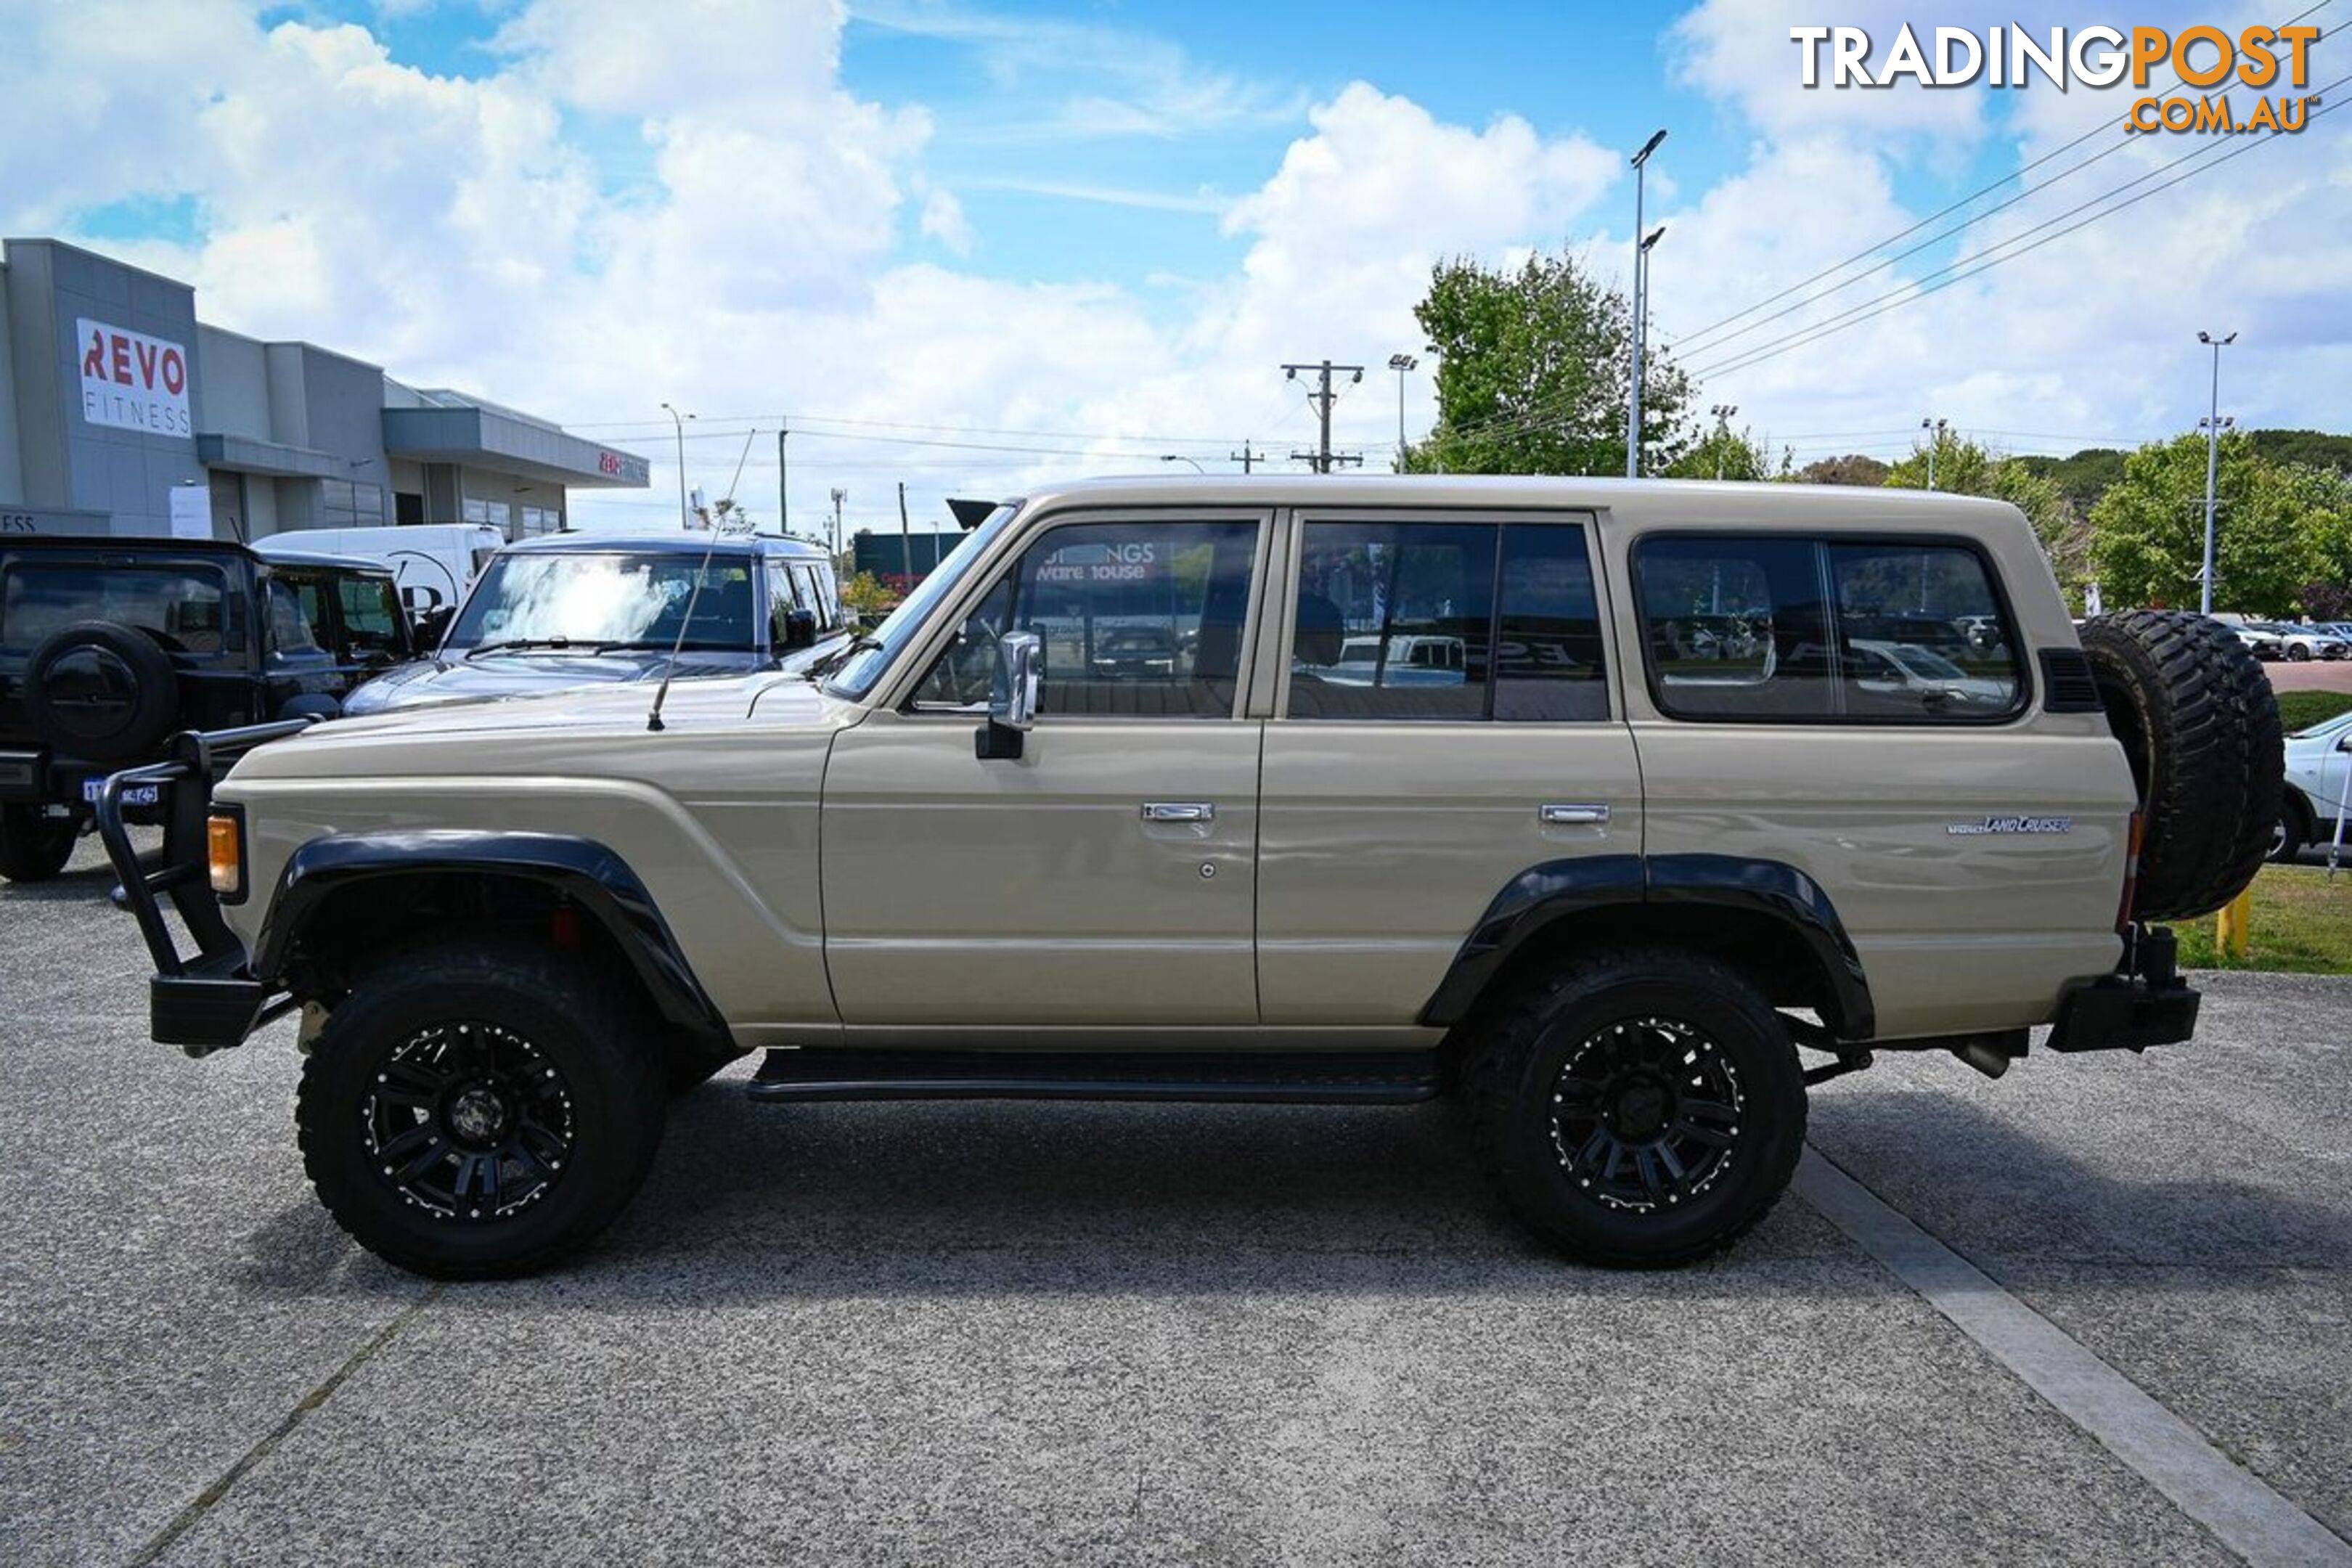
{"type": "Point", "coordinates": [1695, 501]}
{"type": "Point", "coordinates": [164, 547]}
{"type": "Point", "coordinates": [678, 543]}
{"type": "Point", "coordinates": [281, 555]}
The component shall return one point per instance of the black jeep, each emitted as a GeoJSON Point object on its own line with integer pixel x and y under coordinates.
{"type": "Point", "coordinates": [109, 646]}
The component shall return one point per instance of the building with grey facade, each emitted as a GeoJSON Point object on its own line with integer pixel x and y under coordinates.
{"type": "Point", "coordinates": [122, 413]}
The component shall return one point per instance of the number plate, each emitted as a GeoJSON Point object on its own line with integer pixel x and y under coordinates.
{"type": "Point", "coordinates": [137, 794]}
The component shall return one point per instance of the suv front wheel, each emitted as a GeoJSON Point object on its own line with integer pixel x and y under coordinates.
{"type": "Point", "coordinates": [479, 1110]}
{"type": "Point", "coordinates": [1640, 1109]}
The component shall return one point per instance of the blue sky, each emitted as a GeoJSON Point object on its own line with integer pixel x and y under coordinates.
{"type": "Point", "coordinates": [920, 225]}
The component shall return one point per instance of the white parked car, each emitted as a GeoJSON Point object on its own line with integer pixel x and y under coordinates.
{"type": "Point", "coordinates": [2316, 763]}
{"type": "Point", "coordinates": [2308, 642]}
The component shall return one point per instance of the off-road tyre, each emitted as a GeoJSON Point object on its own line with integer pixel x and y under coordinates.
{"type": "Point", "coordinates": [2197, 720]}
{"type": "Point", "coordinates": [1714, 1042]}
{"type": "Point", "coordinates": [34, 847]}
{"type": "Point", "coordinates": [103, 692]}
{"type": "Point", "coordinates": [690, 1067]}
{"type": "Point", "coordinates": [455, 1036]}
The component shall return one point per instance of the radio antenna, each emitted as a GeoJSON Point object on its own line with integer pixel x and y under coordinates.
{"type": "Point", "coordinates": [669, 667]}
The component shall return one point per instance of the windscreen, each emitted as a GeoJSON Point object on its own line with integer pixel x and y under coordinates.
{"type": "Point", "coordinates": [608, 599]}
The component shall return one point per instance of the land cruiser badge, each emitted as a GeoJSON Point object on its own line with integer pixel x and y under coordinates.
{"type": "Point", "coordinates": [2011, 824]}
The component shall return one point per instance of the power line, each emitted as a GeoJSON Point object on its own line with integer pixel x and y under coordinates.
{"type": "Point", "coordinates": [1986, 260]}
{"type": "Point", "coordinates": [1987, 189]}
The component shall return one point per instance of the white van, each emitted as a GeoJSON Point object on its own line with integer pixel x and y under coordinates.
{"type": "Point", "coordinates": [434, 564]}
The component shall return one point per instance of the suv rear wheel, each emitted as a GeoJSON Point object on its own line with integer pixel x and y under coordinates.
{"type": "Point", "coordinates": [479, 1110]}
{"type": "Point", "coordinates": [1640, 1109]}
{"type": "Point", "coordinates": [34, 847]}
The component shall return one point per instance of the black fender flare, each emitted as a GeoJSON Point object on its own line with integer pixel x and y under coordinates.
{"type": "Point", "coordinates": [593, 878]}
{"type": "Point", "coordinates": [1546, 893]}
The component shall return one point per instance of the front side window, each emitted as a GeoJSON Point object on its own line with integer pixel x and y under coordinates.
{"type": "Point", "coordinates": [299, 623]}
{"type": "Point", "coordinates": [182, 607]}
{"type": "Point", "coordinates": [609, 599]}
{"type": "Point", "coordinates": [1799, 630]}
{"type": "Point", "coordinates": [1447, 621]}
{"type": "Point", "coordinates": [373, 623]}
{"type": "Point", "coordinates": [1139, 620]}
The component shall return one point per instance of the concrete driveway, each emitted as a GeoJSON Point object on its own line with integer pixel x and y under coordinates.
{"type": "Point", "coordinates": [1026, 1333]}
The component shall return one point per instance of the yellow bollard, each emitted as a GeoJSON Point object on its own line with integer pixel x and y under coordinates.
{"type": "Point", "coordinates": [2233, 926]}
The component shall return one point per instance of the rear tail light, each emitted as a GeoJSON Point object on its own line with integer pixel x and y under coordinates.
{"type": "Point", "coordinates": [2137, 837]}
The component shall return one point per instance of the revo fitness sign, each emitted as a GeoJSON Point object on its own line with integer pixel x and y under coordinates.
{"type": "Point", "coordinates": [133, 382]}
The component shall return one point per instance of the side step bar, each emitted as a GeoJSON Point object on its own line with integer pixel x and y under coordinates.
{"type": "Point", "coordinates": [1384, 1078]}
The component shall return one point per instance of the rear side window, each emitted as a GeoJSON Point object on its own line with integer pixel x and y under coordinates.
{"type": "Point", "coordinates": [1802, 630]}
{"type": "Point", "coordinates": [1447, 621]}
{"type": "Point", "coordinates": [182, 607]}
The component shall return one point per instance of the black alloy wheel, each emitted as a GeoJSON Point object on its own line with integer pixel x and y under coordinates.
{"type": "Point", "coordinates": [483, 1107]}
{"type": "Point", "coordinates": [469, 1121]}
{"type": "Point", "coordinates": [1646, 1114]}
{"type": "Point", "coordinates": [1640, 1107]}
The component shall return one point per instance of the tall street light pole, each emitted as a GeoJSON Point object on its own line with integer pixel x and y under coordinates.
{"type": "Point", "coordinates": [2213, 459]}
{"type": "Point", "coordinates": [679, 420]}
{"type": "Point", "coordinates": [839, 496]}
{"type": "Point", "coordinates": [1179, 457]}
{"type": "Point", "coordinates": [1935, 428]}
{"type": "Point", "coordinates": [1641, 248]}
{"type": "Point", "coordinates": [1401, 363]}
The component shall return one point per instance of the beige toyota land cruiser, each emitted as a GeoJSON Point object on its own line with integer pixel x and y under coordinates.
{"type": "Point", "coordinates": [1597, 803]}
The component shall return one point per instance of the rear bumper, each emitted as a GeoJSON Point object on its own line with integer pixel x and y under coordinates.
{"type": "Point", "coordinates": [2147, 1004]}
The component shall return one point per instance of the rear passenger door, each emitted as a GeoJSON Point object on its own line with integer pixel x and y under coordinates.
{"type": "Point", "coordinates": [1445, 719]}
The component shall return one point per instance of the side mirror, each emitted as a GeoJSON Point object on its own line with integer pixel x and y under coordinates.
{"type": "Point", "coordinates": [800, 629]}
{"type": "Point", "coordinates": [1013, 697]}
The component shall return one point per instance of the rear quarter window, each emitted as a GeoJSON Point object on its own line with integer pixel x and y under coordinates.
{"type": "Point", "coordinates": [1787, 628]}
{"type": "Point", "coordinates": [184, 608]}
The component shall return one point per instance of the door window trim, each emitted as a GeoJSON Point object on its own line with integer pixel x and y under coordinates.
{"type": "Point", "coordinates": [1301, 518]}
{"type": "Point", "coordinates": [896, 689]}
{"type": "Point", "coordinates": [2021, 708]}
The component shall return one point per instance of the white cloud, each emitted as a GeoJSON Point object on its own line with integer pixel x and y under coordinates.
{"type": "Point", "coordinates": [620, 213]}
{"type": "Point", "coordinates": [943, 220]}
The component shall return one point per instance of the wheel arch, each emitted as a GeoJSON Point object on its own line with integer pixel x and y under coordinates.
{"type": "Point", "coordinates": [1766, 918]}
{"type": "Point", "coordinates": [344, 898]}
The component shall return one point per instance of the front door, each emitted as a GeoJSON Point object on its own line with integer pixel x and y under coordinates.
{"type": "Point", "coordinates": [1108, 875]}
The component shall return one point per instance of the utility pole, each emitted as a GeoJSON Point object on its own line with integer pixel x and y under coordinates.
{"type": "Point", "coordinates": [1935, 428]}
{"type": "Point", "coordinates": [1323, 461]}
{"type": "Point", "coordinates": [2213, 459]}
{"type": "Point", "coordinates": [784, 496]}
{"type": "Point", "coordinates": [1322, 399]}
{"type": "Point", "coordinates": [839, 495]}
{"type": "Point", "coordinates": [906, 540]}
{"type": "Point", "coordinates": [1641, 250]}
{"type": "Point", "coordinates": [1245, 457]}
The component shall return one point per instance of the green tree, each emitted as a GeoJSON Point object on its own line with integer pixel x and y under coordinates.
{"type": "Point", "coordinates": [1532, 370]}
{"type": "Point", "coordinates": [1852, 469]}
{"type": "Point", "coordinates": [1723, 454]}
{"type": "Point", "coordinates": [866, 596]}
{"type": "Point", "coordinates": [2149, 530]}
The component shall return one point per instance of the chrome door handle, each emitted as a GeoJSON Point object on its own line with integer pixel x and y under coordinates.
{"type": "Point", "coordinates": [1179, 811]}
{"type": "Point", "coordinates": [1559, 816]}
